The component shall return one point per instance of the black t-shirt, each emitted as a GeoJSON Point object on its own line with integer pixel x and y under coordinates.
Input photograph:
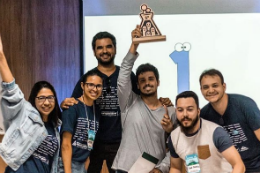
{"type": "Point", "coordinates": [77, 120]}
{"type": "Point", "coordinates": [110, 130]}
{"type": "Point", "coordinates": [240, 120]}
{"type": "Point", "coordinates": [41, 160]}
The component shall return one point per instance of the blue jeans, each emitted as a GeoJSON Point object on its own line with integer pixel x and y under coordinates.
{"type": "Point", "coordinates": [76, 167]}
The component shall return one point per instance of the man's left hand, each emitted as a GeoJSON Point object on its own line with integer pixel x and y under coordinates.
{"type": "Point", "coordinates": [166, 101]}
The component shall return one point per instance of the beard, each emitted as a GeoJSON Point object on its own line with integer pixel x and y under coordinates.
{"type": "Point", "coordinates": [148, 94]}
{"type": "Point", "coordinates": [105, 63]}
{"type": "Point", "coordinates": [188, 128]}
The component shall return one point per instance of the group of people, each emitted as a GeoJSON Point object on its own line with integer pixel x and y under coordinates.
{"type": "Point", "coordinates": [116, 116]}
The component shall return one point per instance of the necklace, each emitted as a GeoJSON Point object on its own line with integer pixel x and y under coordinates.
{"type": "Point", "coordinates": [94, 111]}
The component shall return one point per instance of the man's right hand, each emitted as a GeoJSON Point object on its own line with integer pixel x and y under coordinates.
{"type": "Point", "coordinates": [68, 102]}
{"type": "Point", "coordinates": [136, 33]}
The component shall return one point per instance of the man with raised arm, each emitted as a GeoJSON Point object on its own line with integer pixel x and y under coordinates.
{"type": "Point", "coordinates": [144, 119]}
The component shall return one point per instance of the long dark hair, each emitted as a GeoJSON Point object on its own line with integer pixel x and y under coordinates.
{"type": "Point", "coordinates": [56, 113]}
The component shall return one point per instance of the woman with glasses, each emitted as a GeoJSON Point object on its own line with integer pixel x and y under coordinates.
{"type": "Point", "coordinates": [80, 124]}
{"type": "Point", "coordinates": [31, 142]}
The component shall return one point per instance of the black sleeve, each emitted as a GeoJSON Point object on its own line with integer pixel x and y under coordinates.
{"type": "Point", "coordinates": [171, 148]}
{"type": "Point", "coordinates": [77, 92]}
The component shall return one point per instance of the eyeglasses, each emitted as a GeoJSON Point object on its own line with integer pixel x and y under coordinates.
{"type": "Point", "coordinates": [92, 86]}
{"type": "Point", "coordinates": [42, 99]}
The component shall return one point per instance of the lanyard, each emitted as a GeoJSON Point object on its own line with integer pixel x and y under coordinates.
{"type": "Point", "coordinates": [94, 111]}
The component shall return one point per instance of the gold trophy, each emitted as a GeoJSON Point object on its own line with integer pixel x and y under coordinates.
{"type": "Point", "coordinates": [150, 31]}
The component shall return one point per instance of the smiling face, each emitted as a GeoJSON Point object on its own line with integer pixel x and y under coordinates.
{"type": "Point", "coordinates": [147, 83]}
{"type": "Point", "coordinates": [105, 51]}
{"type": "Point", "coordinates": [45, 106]}
{"type": "Point", "coordinates": [92, 88]}
{"type": "Point", "coordinates": [212, 89]}
{"type": "Point", "coordinates": [187, 113]}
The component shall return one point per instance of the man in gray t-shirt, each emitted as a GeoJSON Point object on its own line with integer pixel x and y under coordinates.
{"type": "Point", "coordinates": [144, 119]}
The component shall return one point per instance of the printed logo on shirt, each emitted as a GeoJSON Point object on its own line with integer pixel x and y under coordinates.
{"type": "Point", "coordinates": [108, 102]}
{"type": "Point", "coordinates": [236, 134]}
{"type": "Point", "coordinates": [80, 137]}
{"type": "Point", "coordinates": [47, 149]}
{"type": "Point", "coordinates": [243, 148]}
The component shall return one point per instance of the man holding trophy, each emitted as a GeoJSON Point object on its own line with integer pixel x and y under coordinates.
{"type": "Point", "coordinates": [145, 120]}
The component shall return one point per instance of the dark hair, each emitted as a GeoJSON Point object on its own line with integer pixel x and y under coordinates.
{"type": "Point", "coordinates": [187, 94]}
{"type": "Point", "coordinates": [93, 72]}
{"type": "Point", "coordinates": [102, 35]}
{"type": "Point", "coordinates": [145, 68]}
{"type": "Point", "coordinates": [56, 112]}
{"type": "Point", "coordinates": [212, 72]}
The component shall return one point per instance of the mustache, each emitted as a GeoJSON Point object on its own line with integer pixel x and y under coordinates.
{"type": "Point", "coordinates": [186, 119]}
{"type": "Point", "coordinates": [148, 85]}
{"type": "Point", "coordinates": [106, 53]}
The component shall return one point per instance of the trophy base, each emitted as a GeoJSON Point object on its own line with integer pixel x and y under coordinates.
{"type": "Point", "coordinates": [149, 39]}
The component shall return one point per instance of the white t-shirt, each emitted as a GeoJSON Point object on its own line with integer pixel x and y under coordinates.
{"type": "Point", "coordinates": [1, 117]}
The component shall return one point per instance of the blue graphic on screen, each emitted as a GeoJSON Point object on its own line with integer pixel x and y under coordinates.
{"type": "Point", "coordinates": [180, 56]}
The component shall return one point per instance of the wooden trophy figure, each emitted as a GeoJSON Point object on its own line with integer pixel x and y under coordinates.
{"type": "Point", "coordinates": [150, 31]}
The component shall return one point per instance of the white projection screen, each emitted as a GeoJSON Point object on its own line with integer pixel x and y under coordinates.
{"type": "Point", "coordinates": [225, 39]}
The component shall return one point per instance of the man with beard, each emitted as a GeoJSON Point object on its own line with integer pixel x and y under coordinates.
{"type": "Point", "coordinates": [144, 118]}
{"type": "Point", "coordinates": [238, 114]}
{"type": "Point", "coordinates": [109, 135]}
{"type": "Point", "coordinates": [202, 145]}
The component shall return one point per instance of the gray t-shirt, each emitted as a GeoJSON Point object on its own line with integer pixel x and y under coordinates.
{"type": "Point", "coordinates": [142, 131]}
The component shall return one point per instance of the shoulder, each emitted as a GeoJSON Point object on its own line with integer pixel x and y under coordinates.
{"type": "Point", "coordinates": [73, 108]}
{"type": "Point", "coordinates": [209, 125]}
{"type": "Point", "coordinates": [31, 111]}
{"type": "Point", "coordinates": [239, 98]}
{"type": "Point", "coordinates": [205, 110]}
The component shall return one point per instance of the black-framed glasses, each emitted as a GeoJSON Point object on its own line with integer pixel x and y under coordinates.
{"type": "Point", "coordinates": [42, 99]}
{"type": "Point", "coordinates": [92, 86]}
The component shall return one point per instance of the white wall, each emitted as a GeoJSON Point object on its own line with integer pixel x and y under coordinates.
{"type": "Point", "coordinates": [228, 42]}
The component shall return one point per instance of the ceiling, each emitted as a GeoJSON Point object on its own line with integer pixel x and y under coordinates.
{"type": "Point", "coordinates": [132, 7]}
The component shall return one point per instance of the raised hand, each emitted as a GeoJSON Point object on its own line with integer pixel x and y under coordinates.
{"type": "Point", "coordinates": [1, 48]}
{"type": "Point", "coordinates": [4, 68]}
{"type": "Point", "coordinates": [136, 33]}
{"type": "Point", "coordinates": [166, 122]}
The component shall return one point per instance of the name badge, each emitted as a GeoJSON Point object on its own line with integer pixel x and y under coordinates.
{"type": "Point", "coordinates": [192, 163]}
{"type": "Point", "coordinates": [91, 138]}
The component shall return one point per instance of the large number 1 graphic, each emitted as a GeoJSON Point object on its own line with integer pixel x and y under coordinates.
{"type": "Point", "coordinates": [180, 56]}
